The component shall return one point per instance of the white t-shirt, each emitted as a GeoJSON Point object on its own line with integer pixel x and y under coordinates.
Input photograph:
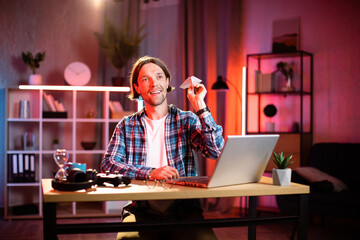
{"type": "Point", "coordinates": [156, 149]}
{"type": "Point", "coordinates": [156, 155]}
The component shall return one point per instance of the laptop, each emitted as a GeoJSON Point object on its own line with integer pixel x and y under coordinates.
{"type": "Point", "coordinates": [243, 160]}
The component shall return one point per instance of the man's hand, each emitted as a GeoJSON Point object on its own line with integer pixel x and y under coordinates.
{"type": "Point", "coordinates": [196, 94]}
{"type": "Point", "coordinates": [165, 172]}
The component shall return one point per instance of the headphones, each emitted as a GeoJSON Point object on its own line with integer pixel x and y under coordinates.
{"type": "Point", "coordinates": [77, 180]}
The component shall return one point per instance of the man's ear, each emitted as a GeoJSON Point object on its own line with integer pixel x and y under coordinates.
{"type": "Point", "coordinates": [136, 88]}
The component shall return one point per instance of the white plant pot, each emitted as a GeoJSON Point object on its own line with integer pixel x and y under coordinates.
{"type": "Point", "coordinates": [35, 79]}
{"type": "Point", "coordinates": [281, 177]}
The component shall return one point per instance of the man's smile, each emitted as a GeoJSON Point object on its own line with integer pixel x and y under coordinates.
{"type": "Point", "coordinates": [155, 92]}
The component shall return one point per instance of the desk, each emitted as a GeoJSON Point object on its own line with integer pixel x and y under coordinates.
{"type": "Point", "coordinates": [137, 190]}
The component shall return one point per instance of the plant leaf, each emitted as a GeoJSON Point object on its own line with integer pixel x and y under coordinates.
{"type": "Point", "coordinates": [119, 44]}
{"type": "Point", "coordinates": [280, 161]}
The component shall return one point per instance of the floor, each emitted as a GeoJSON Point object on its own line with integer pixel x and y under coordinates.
{"type": "Point", "coordinates": [330, 229]}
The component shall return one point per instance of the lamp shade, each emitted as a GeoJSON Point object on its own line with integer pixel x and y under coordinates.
{"type": "Point", "coordinates": [220, 84]}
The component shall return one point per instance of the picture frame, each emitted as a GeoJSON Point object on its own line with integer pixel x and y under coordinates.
{"type": "Point", "coordinates": [286, 35]}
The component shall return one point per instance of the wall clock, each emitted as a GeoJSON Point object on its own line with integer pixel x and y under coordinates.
{"type": "Point", "coordinates": [77, 74]}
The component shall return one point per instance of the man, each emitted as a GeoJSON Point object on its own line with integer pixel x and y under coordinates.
{"type": "Point", "coordinates": [156, 143]}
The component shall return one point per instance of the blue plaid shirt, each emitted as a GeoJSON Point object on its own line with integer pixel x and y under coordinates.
{"type": "Point", "coordinates": [184, 131]}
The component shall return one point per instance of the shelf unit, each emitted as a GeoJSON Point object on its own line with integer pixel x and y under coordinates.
{"type": "Point", "coordinates": [23, 199]}
{"type": "Point", "coordinates": [293, 119]}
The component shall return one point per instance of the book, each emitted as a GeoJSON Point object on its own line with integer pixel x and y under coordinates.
{"type": "Point", "coordinates": [26, 167]}
{"type": "Point", "coordinates": [49, 102]}
{"type": "Point", "coordinates": [266, 78]}
{"type": "Point", "coordinates": [257, 81]}
{"type": "Point", "coordinates": [263, 82]}
{"type": "Point", "coordinates": [52, 104]}
{"type": "Point", "coordinates": [32, 168]}
{"type": "Point", "coordinates": [14, 168]}
{"type": "Point", "coordinates": [59, 106]}
{"type": "Point", "coordinates": [20, 167]}
{"type": "Point", "coordinates": [111, 106]}
{"type": "Point", "coordinates": [118, 107]}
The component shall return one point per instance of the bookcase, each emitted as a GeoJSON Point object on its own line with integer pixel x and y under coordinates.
{"type": "Point", "coordinates": [293, 117]}
{"type": "Point", "coordinates": [87, 118]}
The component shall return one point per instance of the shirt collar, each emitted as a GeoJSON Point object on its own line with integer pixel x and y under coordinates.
{"type": "Point", "coordinates": [172, 110]}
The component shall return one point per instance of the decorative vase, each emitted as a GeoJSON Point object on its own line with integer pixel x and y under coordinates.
{"type": "Point", "coordinates": [288, 86]}
{"type": "Point", "coordinates": [35, 79]}
{"type": "Point", "coordinates": [281, 177]}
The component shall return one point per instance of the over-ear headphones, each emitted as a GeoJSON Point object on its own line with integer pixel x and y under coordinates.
{"type": "Point", "coordinates": [77, 180]}
{"type": "Point", "coordinates": [76, 175]}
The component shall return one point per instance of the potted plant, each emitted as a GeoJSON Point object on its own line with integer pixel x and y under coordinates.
{"type": "Point", "coordinates": [282, 174]}
{"type": "Point", "coordinates": [33, 63]}
{"type": "Point", "coordinates": [119, 45]}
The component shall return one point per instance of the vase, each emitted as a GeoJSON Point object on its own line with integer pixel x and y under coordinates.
{"type": "Point", "coordinates": [35, 79]}
{"type": "Point", "coordinates": [281, 177]}
{"type": "Point", "coordinates": [288, 86]}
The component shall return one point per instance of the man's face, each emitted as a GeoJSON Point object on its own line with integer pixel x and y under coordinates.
{"type": "Point", "coordinates": [152, 84]}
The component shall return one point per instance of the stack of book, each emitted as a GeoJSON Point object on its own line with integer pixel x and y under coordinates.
{"type": "Point", "coordinates": [54, 108]}
{"type": "Point", "coordinates": [263, 82]}
{"type": "Point", "coordinates": [52, 104]}
{"type": "Point", "coordinates": [21, 168]}
{"type": "Point", "coordinates": [116, 109]}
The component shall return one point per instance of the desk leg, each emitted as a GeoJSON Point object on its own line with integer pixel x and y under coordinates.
{"type": "Point", "coordinates": [252, 214]}
{"type": "Point", "coordinates": [49, 221]}
{"type": "Point", "coordinates": [303, 216]}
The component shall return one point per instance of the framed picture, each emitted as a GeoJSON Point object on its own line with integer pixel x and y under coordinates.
{"type": "Point", "coordinates": [286, 35]}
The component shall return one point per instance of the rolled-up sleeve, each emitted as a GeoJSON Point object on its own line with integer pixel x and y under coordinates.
{"type": "Point", "coordinates": [207, 137]}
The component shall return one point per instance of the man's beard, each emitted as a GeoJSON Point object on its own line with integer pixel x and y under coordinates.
{"type": "Point", "coordinates": [156, 101]}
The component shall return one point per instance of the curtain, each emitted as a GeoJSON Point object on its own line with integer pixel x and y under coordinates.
{"type": "Point", "coordinates": [213, 49]}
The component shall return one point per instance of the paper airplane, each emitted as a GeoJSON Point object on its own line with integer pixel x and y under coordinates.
{"type": "Point", "coordinates": [189, 81]}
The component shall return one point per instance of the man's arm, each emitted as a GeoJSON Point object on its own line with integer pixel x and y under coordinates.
{"type": "Point", "coordinates": [207, 135]}
{"type": "Point", "coordinates": [116, 159]}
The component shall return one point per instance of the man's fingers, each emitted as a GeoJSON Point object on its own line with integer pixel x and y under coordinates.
{"type": "Point", "coordinates": [172, 172]}
{"type": "Point", "coordinates": [165, 172]}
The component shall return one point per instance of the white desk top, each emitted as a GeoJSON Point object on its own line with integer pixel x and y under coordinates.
{"type": "Point", "coordinates": [137, 190]}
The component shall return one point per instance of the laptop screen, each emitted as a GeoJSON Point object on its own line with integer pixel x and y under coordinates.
{"type": "Point", "coordinates": [243, 159]}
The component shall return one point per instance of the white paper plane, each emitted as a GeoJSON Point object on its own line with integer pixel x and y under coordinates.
{"type": "Point", "coordinates": [189, 81]}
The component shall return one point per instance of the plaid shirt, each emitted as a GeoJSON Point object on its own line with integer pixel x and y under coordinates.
{"type": "Point", "coordinates": [184, 131]}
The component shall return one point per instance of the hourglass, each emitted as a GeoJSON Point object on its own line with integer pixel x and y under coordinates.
{"type": "Point", "coordinates": [61, 156]}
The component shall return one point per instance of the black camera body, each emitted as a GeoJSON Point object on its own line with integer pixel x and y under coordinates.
{"type": "Point", "coordinates": [115, 179]}
{"type": "Point", "coordinates": [77, 180]}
